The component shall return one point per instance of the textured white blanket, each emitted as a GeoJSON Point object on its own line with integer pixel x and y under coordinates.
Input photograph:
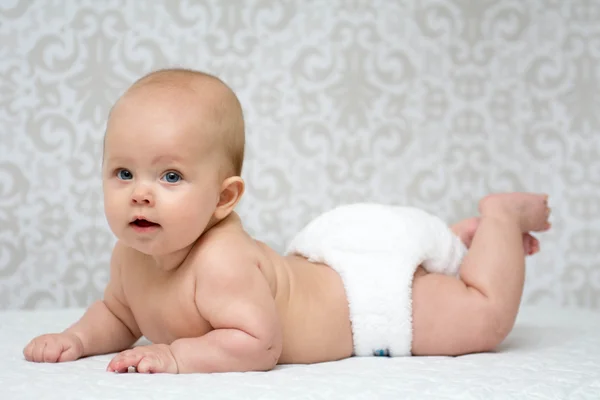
{"type": "Point", "coordinates": [551, 354]}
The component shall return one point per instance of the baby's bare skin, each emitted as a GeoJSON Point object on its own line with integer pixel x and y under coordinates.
{"type": "Point", "coordinates": [210, 298]}
{"type": "Point", "coordinates": [313, 316]}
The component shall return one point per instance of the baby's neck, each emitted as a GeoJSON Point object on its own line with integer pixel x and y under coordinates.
{"type": "Point", "coordinates": [170, 262]}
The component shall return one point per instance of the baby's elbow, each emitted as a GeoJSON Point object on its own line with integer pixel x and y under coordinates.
{"type": "Point", "coordinates": [496, 325]}
{"type": "Point", "coordinates": [271, 352]}
{"type": "Point", "coordinates": [272, 345]}
{"type": "Point", "coordinates": [260, 352]}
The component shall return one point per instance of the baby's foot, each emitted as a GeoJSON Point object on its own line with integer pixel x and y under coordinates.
{"type": "Point", "coordinates": [530, 244]}
{"type": "Point", "coordinates": [530, 210]}
{"type": "Point", "coordinates": [466, 229]}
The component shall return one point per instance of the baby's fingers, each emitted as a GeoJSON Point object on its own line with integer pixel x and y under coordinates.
{"type": "Point", "coordinates": [53, 348]}
{"type": "Point", "coordinates": [28, 351]}
{"type": "Point", "coordinates": [38, 351]}
{"type": "Point", "coordinates": [150, 364]}
{"type": "Point", "coordinates": [124, 360]}
{"type": "Point", "coordinates": [69, 353]}
{"type": "Point", "coordinates": [52, 352]}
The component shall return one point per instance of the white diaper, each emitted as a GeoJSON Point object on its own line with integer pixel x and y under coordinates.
{"type": "Point", "coordinates": [376, 249]}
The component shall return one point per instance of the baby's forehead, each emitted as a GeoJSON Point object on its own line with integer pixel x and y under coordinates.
{"type": "Point", "coordinates": [149, 159]}
{"type": "Point", "coordinates": [158, 141]}
{"type": "Point", "coordinates": [158, 147]}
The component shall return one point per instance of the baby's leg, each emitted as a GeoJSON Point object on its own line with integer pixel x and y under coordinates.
{"type": "Point", "coordinates": [466, 229]}
{"type": "Point", "coordinates": [475, 313]}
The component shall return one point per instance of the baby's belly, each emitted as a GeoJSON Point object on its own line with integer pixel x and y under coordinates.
{"type": "Point", "coordinates": [315, 318]}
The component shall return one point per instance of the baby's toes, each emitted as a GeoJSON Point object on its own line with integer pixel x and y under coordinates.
{"type": "Point", "coordinates": [548, 212]}
{"type": "Point", "coordinates": [530, 244]}
{"type": "Point", "coordinates": [537, 212]}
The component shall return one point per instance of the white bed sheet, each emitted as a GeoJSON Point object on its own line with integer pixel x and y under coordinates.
{"type": "Point", "coordinates": [551, 354]}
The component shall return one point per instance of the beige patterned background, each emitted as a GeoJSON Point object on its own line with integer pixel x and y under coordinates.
{"type": "Point", "coordinates": [423, 103]}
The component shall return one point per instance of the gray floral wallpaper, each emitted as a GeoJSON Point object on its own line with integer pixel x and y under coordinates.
{"type": "Point", "coordinates": [426, 103]}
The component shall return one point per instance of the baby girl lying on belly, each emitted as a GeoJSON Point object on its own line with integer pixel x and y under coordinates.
{"type": "Point", "coordinates": [359, 280]}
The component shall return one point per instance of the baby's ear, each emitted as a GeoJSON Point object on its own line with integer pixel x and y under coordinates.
{"type": "Point", "coordinates": [232, 190]}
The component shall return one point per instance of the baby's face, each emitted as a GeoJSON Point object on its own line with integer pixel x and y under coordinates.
{"type": "Point", "coordinates": [160, 177]}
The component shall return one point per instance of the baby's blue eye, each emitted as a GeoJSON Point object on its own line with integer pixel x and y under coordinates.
{"type": "Point", "coordinates": [124, 174]}
{"type": "Point", "coordinates": [172, 177]}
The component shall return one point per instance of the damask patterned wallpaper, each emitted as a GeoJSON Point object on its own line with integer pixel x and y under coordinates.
{"type": "Point", "coordinates": [424, 103]}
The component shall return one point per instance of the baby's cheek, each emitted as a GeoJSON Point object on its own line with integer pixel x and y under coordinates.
{"type": "Point", "coordinates": [188, 210]}
{"type": "Point", "coordinates": [112, 214]}
{"type": "Point", "coordinates": [188, 220]}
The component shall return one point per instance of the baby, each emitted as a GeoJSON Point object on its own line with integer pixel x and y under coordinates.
{"type": "Point", "coordinates": [185, 274]}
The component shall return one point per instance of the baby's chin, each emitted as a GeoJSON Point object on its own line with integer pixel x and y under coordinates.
{"type": "Point", "coordinates": [157, 246]}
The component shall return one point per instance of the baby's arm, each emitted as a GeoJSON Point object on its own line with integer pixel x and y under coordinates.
{"type": "Point", "coordinates": [102, 329]}
{"type": "Point", "coordinates": [108, 325]}
{"type": "Point", "coordinates": [234, 297]}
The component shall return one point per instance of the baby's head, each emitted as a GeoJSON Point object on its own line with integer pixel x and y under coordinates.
{"type": "Point", "coordinates": [173, 155]}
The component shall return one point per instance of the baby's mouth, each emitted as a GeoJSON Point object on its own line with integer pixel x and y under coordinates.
{"type": "Point", "coordinates": [143, 223]}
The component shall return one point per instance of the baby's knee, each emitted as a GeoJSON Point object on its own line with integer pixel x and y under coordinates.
{"type": "Point", "coordinates": [496, 325]}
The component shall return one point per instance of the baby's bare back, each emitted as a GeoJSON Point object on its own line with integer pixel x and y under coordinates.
{"type": "Point", "coordinates": [313, 310]}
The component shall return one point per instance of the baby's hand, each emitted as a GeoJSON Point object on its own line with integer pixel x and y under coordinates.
{"type": "Point", "coordinates": [146, 359]}
{"type": "Point", "coordinates": [54, 347]}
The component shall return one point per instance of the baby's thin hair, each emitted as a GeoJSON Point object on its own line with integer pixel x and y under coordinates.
{"type": "Point", "coordinates": [227, 112]}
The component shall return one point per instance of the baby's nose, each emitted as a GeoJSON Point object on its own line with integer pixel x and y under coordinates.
{"type": "Point", "coordinates": [142, 195]}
